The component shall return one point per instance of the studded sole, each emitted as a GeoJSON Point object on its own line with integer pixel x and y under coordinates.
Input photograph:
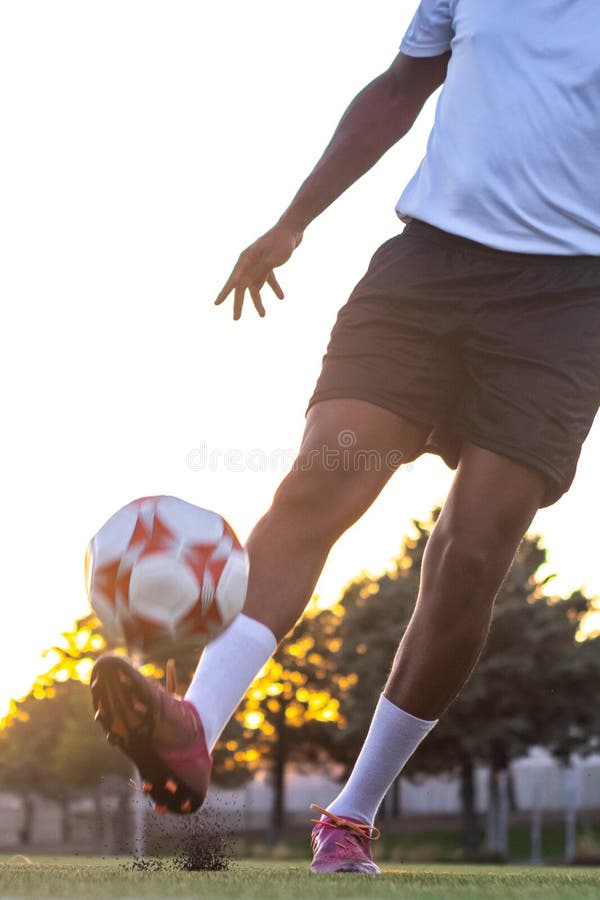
{"type": "Point", "coordinates": [123, 707]}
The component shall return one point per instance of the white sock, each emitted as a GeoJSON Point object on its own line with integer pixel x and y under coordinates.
{"type": "Point", "coordinates": [393, 737]}
{"type": "Point", "coordinates": [227, 668]}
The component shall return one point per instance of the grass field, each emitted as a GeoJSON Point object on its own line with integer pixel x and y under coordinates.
{"type": "Point", "coordinates": [50, 877]}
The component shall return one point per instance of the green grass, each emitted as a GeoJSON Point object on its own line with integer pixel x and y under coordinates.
{"type": "Point", "coordinates": [95, 877]}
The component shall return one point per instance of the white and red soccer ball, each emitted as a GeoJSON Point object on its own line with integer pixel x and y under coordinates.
{"type": "Point", "coordinates": [165, 571]}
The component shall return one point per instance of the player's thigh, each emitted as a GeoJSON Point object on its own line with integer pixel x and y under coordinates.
{"type": "Point", "coordinates": [361, 432]}
{"type": "Point", "coordinates": [349, 451]}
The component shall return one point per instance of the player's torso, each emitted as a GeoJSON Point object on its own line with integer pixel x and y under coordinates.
{"type": "Point", "coordinates": [546, 46]}
{"type": "Point", "coordinates": [566, 27]}
{"type": "Point", "coordinates": [529, 71]}
{"type": "Point", "coordinates": [514, 158]}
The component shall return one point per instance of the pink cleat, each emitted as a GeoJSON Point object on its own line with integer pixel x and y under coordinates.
{"type": "Point", "coordinates": [342, 845]}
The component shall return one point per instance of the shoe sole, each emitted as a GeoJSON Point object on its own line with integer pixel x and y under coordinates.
{"type": "Point", "coordinates": [349, 867]}
{"type": "Point", "coordinates": [123, 707]}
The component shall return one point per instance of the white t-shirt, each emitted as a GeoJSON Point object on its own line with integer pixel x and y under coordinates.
{"type": "Point", "coordinates": [513, 159]}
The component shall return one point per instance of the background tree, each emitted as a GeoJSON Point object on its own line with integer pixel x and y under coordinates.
{"type": "Point", "coordinates": [81, 761]}
{"type": "Point", "coordinates": [50, 747]}
{"type": "Point", "coordinates": [49, 743]}
{"type": "Point", "coordinates": [26, 742]}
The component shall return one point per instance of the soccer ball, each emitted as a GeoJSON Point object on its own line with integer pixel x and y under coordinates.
{"type": "Point", "coordinates": [162, 571]}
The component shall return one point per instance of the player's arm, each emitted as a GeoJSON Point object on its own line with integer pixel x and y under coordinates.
{"type": "Point", "coordinates": [377, 118]}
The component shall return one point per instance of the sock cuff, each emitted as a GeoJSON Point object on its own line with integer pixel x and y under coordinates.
{"type": "Point", "coordinates": [423, 726]}
{"type": "Point", "coordinates": [254, 631]}
{"type": "Point", "coordinates": [227, 667]}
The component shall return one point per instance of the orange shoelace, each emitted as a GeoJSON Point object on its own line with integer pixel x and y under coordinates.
{"type": "Point", "coordinates": [171, 677]}
{"type": "Point", "coordinates": [356, 829]}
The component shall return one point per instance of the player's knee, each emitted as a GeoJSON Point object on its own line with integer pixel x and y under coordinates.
{"type": "Point", "coordinates": [458, 562]}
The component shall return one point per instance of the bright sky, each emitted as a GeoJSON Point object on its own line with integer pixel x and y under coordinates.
{"type": "Point", "coordinates": [145, 144]}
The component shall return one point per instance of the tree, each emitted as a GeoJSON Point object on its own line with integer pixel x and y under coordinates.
{"type": "Point", "coordinates": [25, 745]}
{"type": "Point", "coordinates": [49, 743]}
{"type": "Point", "coordinates": [51, 747]}
{"type": "Point", "coordinates": [81, 759]}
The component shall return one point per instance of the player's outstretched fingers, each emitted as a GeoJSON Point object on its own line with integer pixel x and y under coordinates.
{"type": "Point", "coordinates": [256, 299]}
{"type": "Point", "coordinates": [275, 286]}
{"type": "Point", "coordinates": [238, 302]}
{"type": "Point", "coordinates": [227, 289]}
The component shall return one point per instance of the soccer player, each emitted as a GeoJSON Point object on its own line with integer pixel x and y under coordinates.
{"type": "Point", "coordinates": [475, 333]}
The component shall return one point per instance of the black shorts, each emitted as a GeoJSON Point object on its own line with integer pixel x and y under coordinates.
{"type": "Point", "coordinates": [501, 349]}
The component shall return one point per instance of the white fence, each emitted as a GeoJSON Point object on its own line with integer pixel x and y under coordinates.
{"type": "Point", "coordinates": [537, 780]}
{"type": "Point", "coordinates": [538, 783]}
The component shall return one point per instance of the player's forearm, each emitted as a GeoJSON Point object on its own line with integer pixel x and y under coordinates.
{"type": "Point", "coordinates": [375, 120]}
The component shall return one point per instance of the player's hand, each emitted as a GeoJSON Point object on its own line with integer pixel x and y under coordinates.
{"type": "Point", "coordinates": [255, 267]}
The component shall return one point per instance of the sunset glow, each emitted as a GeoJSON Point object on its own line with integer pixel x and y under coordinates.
{"type": "Point", "coordinates": [119, 226]}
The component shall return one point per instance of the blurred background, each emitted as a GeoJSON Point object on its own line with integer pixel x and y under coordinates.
{"type": "Point", "coordinates": [146, 144]}
{"type": "Point", "coordinates": [511, 772]}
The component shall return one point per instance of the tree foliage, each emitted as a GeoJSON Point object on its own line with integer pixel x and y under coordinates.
{"type": "Point", "coordinates": [51, 747]}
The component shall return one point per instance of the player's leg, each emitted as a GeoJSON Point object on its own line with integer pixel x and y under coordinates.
{"type": "Point", "coordinates": [382, 343]}
{"type": "Point", "coordinates": [492, 502]}
{"type": "Point", "coordinates": [527, 340]}
{"type": "Point", "coordinates": [349, 450]}
{"type": "Point", "coordinates": [490, 506]}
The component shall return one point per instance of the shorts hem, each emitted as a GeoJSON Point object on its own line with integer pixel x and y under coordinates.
{"type": "Point", "coordinates": [556, 483]}
{"type": "Point", "coordinates": [351, 394]}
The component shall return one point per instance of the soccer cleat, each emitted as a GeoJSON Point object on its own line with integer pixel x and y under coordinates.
{"type": "Point", "coordinates": [159, 731]}
{"type": "Point", "coordinates": [341, 844]}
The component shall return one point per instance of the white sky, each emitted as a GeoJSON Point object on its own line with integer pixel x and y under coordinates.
{"type": "Point", "coordinates": [144, 145]}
